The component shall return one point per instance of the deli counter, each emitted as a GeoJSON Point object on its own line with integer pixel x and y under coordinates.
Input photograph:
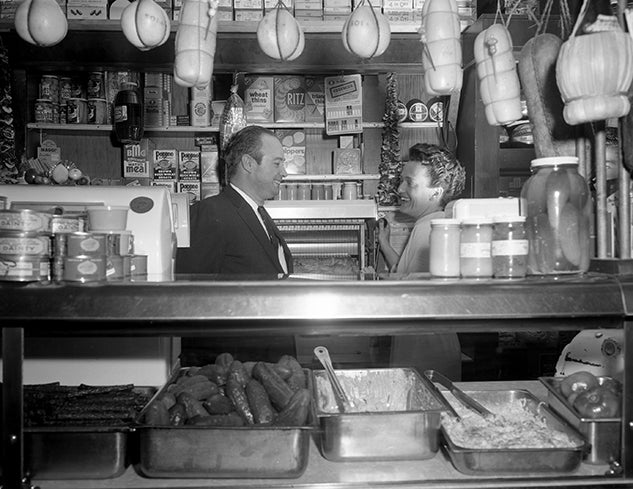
{"type": "Point", "coordinates": [213, 307]}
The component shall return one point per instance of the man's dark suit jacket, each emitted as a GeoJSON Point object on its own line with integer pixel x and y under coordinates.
{"type": "Point", "coordinates": [227, 238]}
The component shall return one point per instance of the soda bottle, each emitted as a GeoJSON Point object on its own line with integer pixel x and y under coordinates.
{"type": "Point", "coordinates": [128, 114]}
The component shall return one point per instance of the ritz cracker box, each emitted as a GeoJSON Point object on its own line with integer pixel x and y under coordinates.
{"type": "Point", "coordinates": [290, 98]}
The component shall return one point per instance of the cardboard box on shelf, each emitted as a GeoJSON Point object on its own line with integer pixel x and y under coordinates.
{"type": "Point", "coordinates": [294, 147]}
{"type": "Point", "coordinates": [258, 98]}
{"type": "Point", "coordinates": [169, 185]}
{"type": "Point", "coordinates": [315, 99]}
{"type": "Point", "coordinates": [189, 166]}
{"type": "Point", "coordinates": [191, 188]}
{"type": "Point", "coordinates": [165, 164]}
{"type": "Point", "coordinates": [290, 98]}
{"type": "Point", "coordinates": [137, 159]}
{"type": "Point", "coordinates": [347, 161]}
{"type": "Point", "coordinates": [209, 166]}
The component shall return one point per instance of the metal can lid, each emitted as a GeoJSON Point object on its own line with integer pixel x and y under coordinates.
{"type": "Point", "coordinates": [476, 220]}
{"type": "Point", "coordinates": [554, 161]}
{"type": "Point", "coordinates": [445, 222]}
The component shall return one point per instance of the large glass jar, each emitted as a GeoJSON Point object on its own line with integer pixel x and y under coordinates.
{"type": "Point", "coordinates": [444, 248]}
{"type": "Point", "coordinates": [475, 259]}
{"type": "Point", "coordinates": [557, 204]}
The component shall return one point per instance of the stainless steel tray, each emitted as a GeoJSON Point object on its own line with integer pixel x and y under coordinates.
{"type": "Point", "coordinates": [225, 452]}
{"type": "Point", "coordinates": [519, 460]}
{"type": "Point", "coordinates": [603, 435]}
{"type": "Point", "coordinates": [409, 433]}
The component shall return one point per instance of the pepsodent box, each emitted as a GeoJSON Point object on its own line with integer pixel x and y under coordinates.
{"type": "Point", "coordinates": [165, 164]}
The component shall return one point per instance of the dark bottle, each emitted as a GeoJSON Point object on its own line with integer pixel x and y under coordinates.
{"type": "Point", "coordinates": [128, 114]}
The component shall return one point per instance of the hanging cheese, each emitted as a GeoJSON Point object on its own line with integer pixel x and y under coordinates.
{"type": "Point", "coordinates": [366, 32]}
{"type": "Point", "coordinates": [195, 43]}
{"type": "Point", "coordinates": [41, 22]}
{"type": "Point", "coordinates": [279, 35]}
{"type": "Point", "coordinates": [499, 84]}
{"type": "Point", "coordinates": [442, 52]}
{"type": "Point", "coordinates": [145, 24]}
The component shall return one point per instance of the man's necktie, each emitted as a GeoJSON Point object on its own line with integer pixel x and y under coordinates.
{"type": "Point", "coordinates": [270, 226]}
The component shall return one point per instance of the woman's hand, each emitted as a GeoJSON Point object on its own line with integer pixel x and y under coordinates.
{"type": "Point", "coordinates": [384, 232]}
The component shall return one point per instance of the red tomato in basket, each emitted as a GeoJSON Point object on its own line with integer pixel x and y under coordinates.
{"type": "Point", "coordinates": [576, 383]}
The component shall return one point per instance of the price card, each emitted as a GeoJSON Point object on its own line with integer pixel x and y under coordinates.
{"type": "Point", "coordinates": [343, 104]}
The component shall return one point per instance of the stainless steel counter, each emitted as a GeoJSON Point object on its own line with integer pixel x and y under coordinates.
{"type": "Point", "coordinates": [395, 305]}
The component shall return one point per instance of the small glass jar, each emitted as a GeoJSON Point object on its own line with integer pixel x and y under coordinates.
{"type": "Point", "coordinates": [329, 191]}
{"type": "Point", "coordinates": [291, 191]}
{"type": "Point", "coordinates": [349, 191]}
{"type": "Point", "coordinates": [558, 208]}
{"type": "Point", "coordinates": [303, 191]}
{"type": "Point", "coordinates": [318, 191]}
{"type": "Point", "coordinates": [509, 247]}
{"type": "Point", "coordinates": [475, 258]}
{"type": "Point", "coordinates": [444, 254]}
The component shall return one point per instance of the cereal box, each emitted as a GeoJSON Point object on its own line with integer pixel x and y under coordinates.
{"type": "Point", "coordinates": [189, 166]}
{"type": "Point", "coordinates": [290, 98]}
{"type": "Point", "coordinates": [165, 164]}
{"type": "Point", "coordinates": [315, 99]}
{"type": "Point", "coordinates": [258, 98]}
{"type": "Point", "coordinates": [294, 146]}
{"type": "Point", "coordinates": [347, 161]}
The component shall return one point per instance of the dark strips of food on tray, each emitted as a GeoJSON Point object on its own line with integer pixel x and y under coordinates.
{"type": "Point", "coordinates": [54, 404]}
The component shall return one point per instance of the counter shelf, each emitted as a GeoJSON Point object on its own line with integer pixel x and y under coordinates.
{"type": "Point", "coordinates": [395, 305]}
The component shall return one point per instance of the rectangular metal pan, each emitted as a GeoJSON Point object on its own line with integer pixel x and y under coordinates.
{"type": "Point", "coordinates": [603, 435]}
{"type": "Point", "coordinates": [79, 452]}
{"type": "Point", "coordinates": [475, 461]}
{"type": "Point", "coordinates": [259, 452]}
{"type": "Point", "coordinates": [411, 433]}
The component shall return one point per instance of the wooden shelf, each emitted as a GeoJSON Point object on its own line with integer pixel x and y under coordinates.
{"type": "Point", "coordinates": [328, 177]}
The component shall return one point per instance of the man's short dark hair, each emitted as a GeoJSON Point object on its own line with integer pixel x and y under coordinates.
{"type": "Point", "coordinates": [245, 141]}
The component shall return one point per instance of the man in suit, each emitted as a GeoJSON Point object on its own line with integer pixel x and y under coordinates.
{"type": "Point", "coordinates": [231, 233]}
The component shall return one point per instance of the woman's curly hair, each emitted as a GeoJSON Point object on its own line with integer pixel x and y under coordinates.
{"type": "Point", "coordinates": [444, 169]}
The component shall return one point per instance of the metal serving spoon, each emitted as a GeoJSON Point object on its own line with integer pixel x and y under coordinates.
{"type": "Point", "coordinates": [343, 401]}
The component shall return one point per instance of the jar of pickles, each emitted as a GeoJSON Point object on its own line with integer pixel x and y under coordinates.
{"type": "Point", "coordinates": [475, 259]}
{"type": "Point", "coordinates": [558, 208]}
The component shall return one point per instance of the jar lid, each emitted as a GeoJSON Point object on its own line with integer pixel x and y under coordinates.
{"type": "Point", "coordinates": [508, 218]}
{"type": "Point", "coordinates": [554, 160]}
{"type": "Point", "coordinates": [444, 222]}
{"type": "Point", "coordinates": [471, 221]}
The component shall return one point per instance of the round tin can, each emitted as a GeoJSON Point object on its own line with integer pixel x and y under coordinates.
{"type": "Point", "coordinates": [76, 111]}
{"type": "Point", "coordinates": [65, 88]}
{"type": "Point", "coordinates": [16, 268]}
{"type": "Point", "coordinates": [49, 88]}
{"type": "Point", "coordinates": [77, 89]}
{"type": "Point", "coordinates": [25, 244]}
{"type": "Point", "coordinates": [56, 113]}
{"type": "Point", "coordinates": [80, 243]}
{"type": "Point", "coordinates": [43, 110]}
{"type": "Point", "coordinates": [417, 110]}
{"type": "Point", "coordinates": [96, 85]}
{"type": "Point", "coordinates": [63, 109]}
{"type": "Point", "coordinates": [118, 243]}
{"type": "Point", "coordinates": [25, 220]}
{"type": "Point", "coordinates": [84, 268]}
{"type": "Point", "coordinates": [67, 224]}
{"type": "Point", "coordinates": [97, 111]}
{"type": "Point", "coordinates": [115, 268]}
{"type": "Point", "coordinates": [138, 267]}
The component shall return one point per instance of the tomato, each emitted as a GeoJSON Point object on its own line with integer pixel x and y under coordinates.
{"type": "Point", "coordinates": [30, 174]}
{"type": "Point", "coordinates": [578, 382]}
{"type": "Point", "coordinates": [598, 402]}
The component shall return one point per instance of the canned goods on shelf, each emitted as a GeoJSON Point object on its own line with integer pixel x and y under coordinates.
{"type": "Point", "coordinates": [3, 203]}
{"type": "Point", "coordinates": [25, 220]}
{"type": "Point", "coordinates": [84, 268]}
{"type": "Point", "coordinates": [118, 242]}
{"type": "Point", "coordinates": [115, 268]}
{"type": "Point", "coordinates": [65, 88]}
{"type": "Point", "coordinates": [80, 244]}
{"type": "Point", "coordinates": [76, 111]}
{"type": "Point", "coordinates": [49, 88]}
{"type": "Point", "coordinates": [43, 110]}
{"type": "Point", "coordinates": [97, 111]}
{"type": "Point", "coordinates": [16, 268]}
{"type": "Point", "coordinates": [138, 267]}
{"type": "Point", "coordinates": [96, 85]}
{"type": "Point", "coordinates": [25, 244]}
{"type": "Point", "coordinates": [67, 224]}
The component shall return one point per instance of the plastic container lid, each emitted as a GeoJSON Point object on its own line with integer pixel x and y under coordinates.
{"type": "Point", "coordinates": [508, 219]}
{"type": "Point", "coordinates": [444, 222]}
{"type": "Point", "coordinates": [554, 160]}
{"type": "Point", "coordinates": [471, 221]}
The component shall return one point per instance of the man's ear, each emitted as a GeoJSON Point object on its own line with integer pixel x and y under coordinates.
{"type": "Point", "coordinates": [247, 162]}
{"type": "Point", "coordinates": [438, 193]}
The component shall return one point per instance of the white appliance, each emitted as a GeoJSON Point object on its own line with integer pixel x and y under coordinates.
{"type": "Point", "coordinates": [158, 220]}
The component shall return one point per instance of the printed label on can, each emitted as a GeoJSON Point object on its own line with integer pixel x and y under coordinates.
{"type": "Point", "coordinates": [25, 220]}
{"type": "Point", "coordinates": [39, 245]}
{"type": "Point", "coordinates": [24, 269]}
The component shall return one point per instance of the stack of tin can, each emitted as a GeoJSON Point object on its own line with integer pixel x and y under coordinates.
{"type": "Point", "coordinates": [25, 245]}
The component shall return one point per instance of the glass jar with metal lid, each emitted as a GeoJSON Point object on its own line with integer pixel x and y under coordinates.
{"type": "Point", "coordinates": [475, 259]}
{"type": "Point", "coordinates": [509, 247]}
{"type": "Point", "coordinates": [558, 208]}
{"type": "Point", "coordinates": [444, 248]}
